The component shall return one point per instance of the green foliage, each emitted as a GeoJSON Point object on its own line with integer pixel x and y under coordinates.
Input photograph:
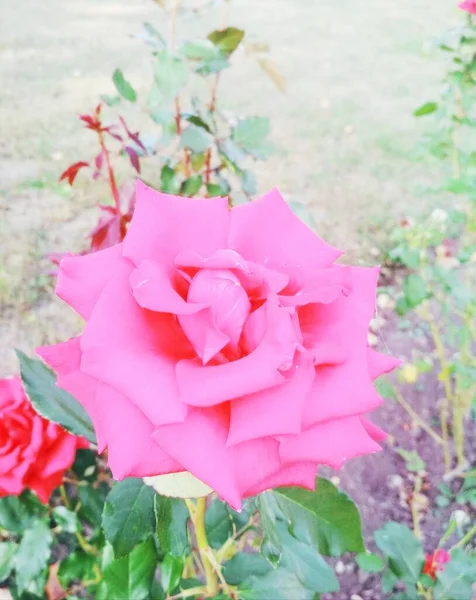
{"type": "Point", "coordinates": [31, 557]}
{"type": "Point", "coordinates": [129, 576]}
{"type": "Point", "coordinates": [7, 557]}
{"type": "Point", "coordinates": [455, 581]}
{"type": "Point", "coordinates": [327, 517]}
{"type": "Point", "coordinates": [124, 88]}
{"type": "Point", "coordinates": [17, 514]}
{"type": "Point", "coordinates": [372, 563]}
{"type": "Point", "coordinates": [403, 550]}
{"type": "Point", "coordinates": [66, 519]}
{"type": "Point", "coordinates": [171, 517]}
{"type": "Point", "coordinates": [128, 516]}
{"type": "Point", "coordinates": [52, 402]}
{"type": "Point", "coordinates": [426, 109]}
{"type": "Point", "coordinates": [171, 569]}
{"type": "Point", "coordinates": [413, 460]}
{"type": "Point", "coordinates": [218, 524]}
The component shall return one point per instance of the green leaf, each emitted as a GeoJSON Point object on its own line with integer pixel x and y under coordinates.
{"type": "Point", "coordinates": [7, 554]}
{"type": "Point", "coordinates": [130, 576]}
{"type": "Point", "coordinates": [171, 517]}
{"type": "Point", "coordinates": [195, 139]}
{"type": "Point", "coordinates": [227, 40]}
{"type": "Point", "coordinates": [215, 189]}
{"type": "Point", "coordinates": [384, 388]}
{"type": "Point", "coordinates": [248, 182]}
{"type": "Point", "coordinates": [66, 519]}
{"type": "Point", "coordinates": [389, 581]}
{"type": "Point", "coordinates": [278, 585]}
{"type": "Point", "coordinates": [170, 76]}
{"type": "Point", "coordinates": [271, 544]}
{"type": "Point", "coordinates": [425, 109]}
{"type": "Point", "coordinates": [302, 572]}
{"type": "Point", "coordinates": [168, 180]}
{"type": "Point", "coordinates": [415, 291]}
{"type": "Point", "coordinates": [75, 567]}
{"type": "Point", "coordinates": [19, 513]}
{"type": "Point", "coordinates": [455, 581]}
{"type": "Point", "coordinates": [171, 569]}
{"type": "Point", "coordinates": [213, 66]}
{"type": "Point", "coordinates": [155, 37]}
{"type": "Point", "coordinates": [404, 551]}
{"type": "Point", "coordinates": [164, 117]}
{"type": "Point", "coordinates": [50, 401]}
{"type": "Point", "coordinates": [217, 524]}
{"type": "Point", "coordinates": [327, 517]}
{"type": "Point", "coordinates": [110, 100]}
{"type": "Point", "coordinates": [250, 134]}
{"type": "Point", "coordinates": [92, 502]}
{"type": "Point", "coordinates": [244, 565]}
{"type": "Point", "coordinates": [199, 122]}
{"type": "Point", "coordinates": [191, 186]}
{"type": "Point", "coordinates": [231, 154]}
{"type": "Point", "coordinates": [128, 516]}
{"type": "Point", "coordinates": [372, 563]}
{"type": "Point", "coordinates": [413, 460]}
{"type": "Point", "coordinates": [31, 558]}
{"type": "Point", "coordinates": [197, 161]}
{"type": "Point", "coordinates": [200, 50]}
{"type": "Point", "coordinates": [124, 88]}
{"type": "Point", "coordinates": [302, 560]}
{"type": "Point", "coordinates": [402, 306]}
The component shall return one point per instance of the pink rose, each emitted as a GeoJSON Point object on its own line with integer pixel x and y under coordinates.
{"type": "Point", "coordinates": [34, 452]}
{"type": "Point", "coordinates": [469, 6]}
{"type": "Point", "coordinates": [224, 343]}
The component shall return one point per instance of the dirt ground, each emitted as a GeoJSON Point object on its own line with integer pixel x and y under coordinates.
{"type": "Point", "coordinates": [347, 146]}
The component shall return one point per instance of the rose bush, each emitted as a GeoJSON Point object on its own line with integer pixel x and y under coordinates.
{"type": "Point", "coordinates": [225, 343]}
{"type": "Point", "coordinates": [34, 452]}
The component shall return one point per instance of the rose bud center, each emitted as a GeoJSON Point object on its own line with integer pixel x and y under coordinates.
{"type": "Point", "coordinates": [221, 290]}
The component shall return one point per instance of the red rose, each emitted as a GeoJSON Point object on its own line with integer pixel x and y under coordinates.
{"type": "Point", "coordinates": [434, 562]}
{"type": "Point", "coordinates": [34, 452]}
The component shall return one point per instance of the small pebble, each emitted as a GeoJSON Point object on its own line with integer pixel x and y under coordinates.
{"type": "Point", "coordinates": [340, 567]}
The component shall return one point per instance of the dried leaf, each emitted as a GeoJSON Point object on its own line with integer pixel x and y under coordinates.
{"type": "Point", "coordinates": [53, 588]}
{"type": "Point", "coordinates": [273, 73]}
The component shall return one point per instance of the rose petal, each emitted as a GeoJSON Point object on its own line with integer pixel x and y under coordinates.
{"type": "Point", "coordinates": [65, 360]}
{"type": "Point", "coordinates": [135, 351]}
{"type": "Point", "coordinates": [44, 486]}
{"type": "Point", "coordinates": [152, 287]}
{"type": "Point", "coordinates": [381, 363]}
{"type": "Point", "coordinates": [203, 334]}
{"type": "Point", "coordinates": [60, 455]}
{"type": "Point", "coordinates": [325, 286]}
{"type": "Point", "coordinates": [330, 443]}
{"type": "Point", "coordinates": [301, 474]}
{"type": "Point", "coordinates": [131, 449]}
{"type": "Point", "coordinates": [81, 279]}
{"type": "Point", "coordinates": [267, 232]}
{"type": "Point", "coordinates": [345, 389]}
{"type": "Point", "coordinates": [373, 430]}
{"type": "Point", "coordinates": [223, 258]}
{"type": "Point", "coordinates": [211, 385]}
{"type": "Point", "coordinates": [273, 411]}
{"type": "Point", "coordinates": [164, 225]}
{"type": "Point", "coordinates": [253, 461]}
{"type": "Point", "coordinates": [198, 444]}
